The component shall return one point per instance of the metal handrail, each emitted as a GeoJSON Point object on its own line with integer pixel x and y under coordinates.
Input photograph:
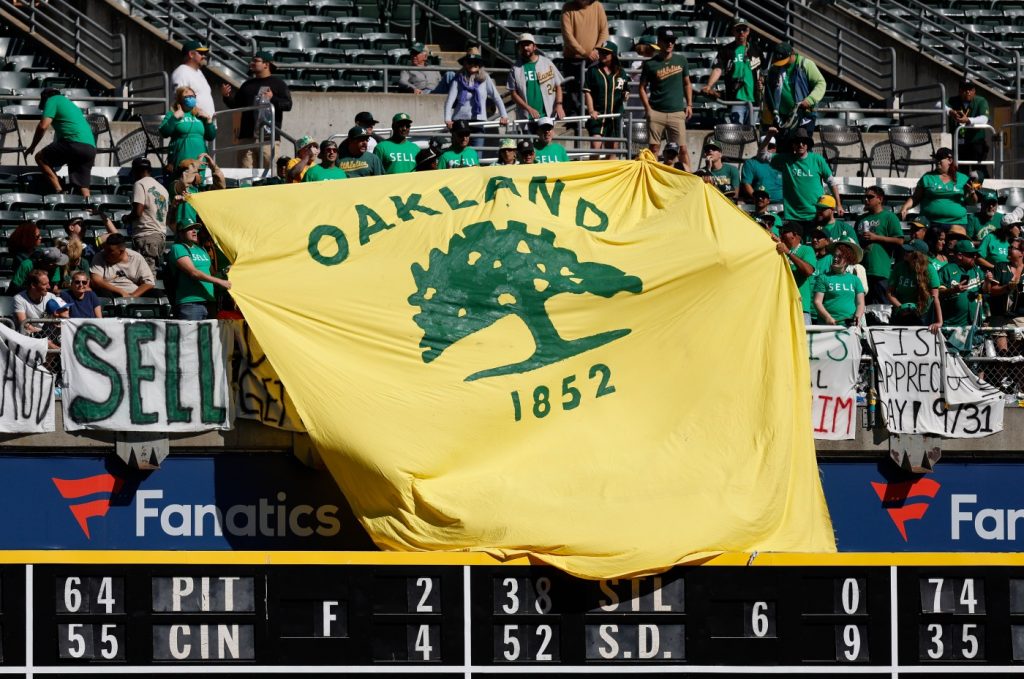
{"type": "Point", "coordinates": [70, 30]}
{"type": "Point", "coordinates": [900, 98]}
{"type": "Point", "coordinates": [130, 86]}
{"type": "Point", "coordinates": [261, 139]}
{"type": "Point", "coordinates": [480, 17]}
{"type": "Point", "coordinates": [437, 16]}
{"type": "Point", "coordinates": [386, 69]}
{"type": "Point", "coordinates": [996, 147]}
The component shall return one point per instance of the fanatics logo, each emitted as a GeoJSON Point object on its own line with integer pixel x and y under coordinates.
{"type": "Point", "coordinates": [75, 489]}
{"type": "Point", "coordinates": [894, 498]}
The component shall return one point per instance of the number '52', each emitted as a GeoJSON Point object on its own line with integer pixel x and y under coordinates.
{"type": "Point", "coordinates": [571, 396]}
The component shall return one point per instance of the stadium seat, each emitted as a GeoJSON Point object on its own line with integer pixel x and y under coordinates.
{"type": "Point", "coordinates": [649, 13]}
{"type": "Point", "coordinates": [913, 137]}
{"type": "Point", "coordinates": [9, 134]}
{"type": "Point", "coordinates": [265, 39]}
{"type": "Point", "coordinates": [99, 125]}
{"type": "Point", "coordinates": [841, 136]}
{"type": "Point", "coordinates": [386, 41]}
{"type": "Point", "coordinates": [22, 201]}
{"type": "Point", "coordinates": [627, 29]}
{"type": "Point", "coordinates": [334, 8]}
{"type": "Point", "coordinates": [738, 136]}
{"type": "Point", "coordinates": [15, 80]}
{"type": "Point", "coordinates": [64, 201]}
{"type": "Point", "coordinates": [1012, 196]}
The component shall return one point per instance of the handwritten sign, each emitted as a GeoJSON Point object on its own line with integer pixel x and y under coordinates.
{"type": "Point", "coordinates": [26, 386]}
{"type": "Point", "coordinates": [835, 361]}
{"type": "Point", "coordinates": [925, 390]}
{"type": "Point", "coordinates": [140, 375]}
{"type": "Point", "coordinates": [259, 393]}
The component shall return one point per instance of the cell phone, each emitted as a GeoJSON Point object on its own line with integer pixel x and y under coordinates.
{"type": "Point", "coordinates": [964, 279]}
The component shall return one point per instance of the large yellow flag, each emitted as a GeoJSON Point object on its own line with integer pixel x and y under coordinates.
{"type": "Point", "coordinates": [600, 364]}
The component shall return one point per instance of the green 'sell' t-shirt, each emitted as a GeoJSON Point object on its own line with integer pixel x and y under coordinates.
{"type": "Point", "coordinates": [397, 158]}
{"type": "Point", "coordinates": [467, 157]}
{"type": "Point", "coordinates": [69, 123]}
{"type": "Point", "coordinates": [841, 290]}
{"type": "Point", "coordinates": [188, 288]}
{"type": "Point", "coordinates": [878, 256]}
{"type": "Point", "coordinates": [802, 180]}
{"type": "Point", "coordinates": [957, 309]}
{"type": "Point", "coordinates": [943, 202]}
{"type": "Point", "coordinates": [666, 78]}
{"type": "Point", "coordinates": [534, 94]}
{"type": "Point", "coordinates": [903, 284]}
{"type": "Point", "coordinates": [994, 250]}
{"type": "Point", "coordinates": [552, 153]}
{"type": "Point", "coordinates": [319, 173]}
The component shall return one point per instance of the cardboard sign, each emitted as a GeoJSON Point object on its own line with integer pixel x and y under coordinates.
{"type": "Point", "coordinates": [835, 362]}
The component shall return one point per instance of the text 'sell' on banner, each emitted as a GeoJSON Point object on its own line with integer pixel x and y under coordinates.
{"type": "Point", "coordinates": [601, 364]}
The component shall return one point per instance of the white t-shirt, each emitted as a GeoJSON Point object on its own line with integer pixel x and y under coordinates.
{"type": "Point", "coordinates": [32, 310]}
{"type": "Point", "coordinates": [149, 193]}
{"type": "Point", "coordinates": [186, 76]}
{"type": "Point", "coordinates": [371, 144]}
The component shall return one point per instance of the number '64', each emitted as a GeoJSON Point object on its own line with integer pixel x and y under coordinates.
{"type": "Point", "coordinates": [572, 393]}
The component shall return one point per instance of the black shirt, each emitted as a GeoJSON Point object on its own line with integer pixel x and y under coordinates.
{"type": "Point", "coordinates": [246, 96]}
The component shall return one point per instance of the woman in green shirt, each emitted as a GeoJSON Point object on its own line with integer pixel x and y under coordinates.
{"type": "Point", "coordinates": [914, 288]}
{"type": "Point", "coordinates": [193, 284]}
{"type": "Point", "coordinates": [188, 126]}
{"type": "Point", "coordinates": [935, 238]}
{"type": "Point", "coordinates": [995, 247]}
{"type": "Point", "coordinates": [838, 294]}
{"type": "Point", "coordinates": [942, 193]}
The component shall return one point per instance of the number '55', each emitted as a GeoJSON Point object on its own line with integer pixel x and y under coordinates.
{"type": "Point", "coordinates": [572, 397]}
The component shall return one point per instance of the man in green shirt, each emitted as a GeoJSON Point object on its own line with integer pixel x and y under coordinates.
{"type": "Point", "coordinates": [397, 154]}
{"type": "Point", "coordinates": [986, 221]}
{"type": "Point", "coordinates": [761, 202]}
{"type": "Point", "coordinates": [970, 108]}
{"type": "Point", "coordinates": [880, 235]}
{"type": "Point", "coordinates": [803, 174]}
{"type": "Point", "coordinates": [355, 159]}
{"type": "Point", "coordinates": [669, 104]}
{"type": "Point", "coordinates": [825, 219]}
{"type": "Point", "coordinates": [725, 178]}
{"type": "Point", "coordinates": [73, 144]}
{"type": "Point", "coordinates": [460, 153]}
{"type": "Point", "coordinates": [960, 284]}
{"type": "Point", "coordinates": [801, 262]}
{"type": "Point", "coordinates": [548, 151]}
{"type": "Point", "coordinates": [740, 62]}
{"type": "Point", "coordinates": [328, 168]}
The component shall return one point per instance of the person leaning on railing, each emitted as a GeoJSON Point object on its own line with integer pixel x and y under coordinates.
{"type": "Point", "coordinates": [193, 285]}
{"type": "Point", "coordinates": [913, 289]}
{"type": "Point", "coordinates": [839, 294]}
{"type": "Point", "coordinates": [942, 193]}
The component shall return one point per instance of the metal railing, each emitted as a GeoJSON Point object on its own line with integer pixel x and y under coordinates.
{"type": "Point", "coordinates": [156, 83]}
{"type": "Point", "coordinates": [72, 34]}
{"type": "Point", "coordinates": [995, 147]}
{"type": "Point", "coordinates": [923, 97]}
{"type": "Point", "coordinates": [434, 16]}
{"type": "Point", "coordinates": [829, 43]}
{"type": "Point", "coordinates": [264, 135]}
{"type": "Point", "coordinates": [931, 32]}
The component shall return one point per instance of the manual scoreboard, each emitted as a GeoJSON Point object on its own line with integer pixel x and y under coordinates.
{"type": "Point", "coordinates": [527, 621]}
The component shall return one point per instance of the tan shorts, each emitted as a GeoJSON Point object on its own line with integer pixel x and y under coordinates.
{"type": "Point", "coordinates": [667, 127]}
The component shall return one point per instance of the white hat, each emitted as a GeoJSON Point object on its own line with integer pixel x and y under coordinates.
{"type": "Point", "coordinates": [525, 37]}
{"type": "Point", "coordinates": [545, 122]}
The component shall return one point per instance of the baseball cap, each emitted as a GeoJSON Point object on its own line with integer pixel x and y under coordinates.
{"type": "Point", "coordinates": [142, 164]}
{"type": "Point", "coordinates": [1009, 220]}
{"type": "Point", "coordinates": [648, 40]}
{"type": "Point", "coordinates": [50, 255]}
{"type": "Point", "coordinates": [365, 118]}
{"type": "Point", "coordinates": [761, 193]}
{"type": "Point", "coordinates": [826, 202]}
{"type": "Point", "coordinates": [767, 140]}
{"type": "Point", "coordinates": [711, 146]}
{"type": "Point", "coordinates": [965, 247]}
{"type": "Point", "coordinates": [609, 46]}
{"type": "Point", "coordinates": [545, 123]}
{"type": "Point", "coordinates": [781, 53]}
{"type": "Point", "coordinates": [357, 132]}
{"type": "Point", "coordinates": [193, 45]}
{"type": "Point", "coordinates": [818, 234]}
{"type": "Point", "coordinates": [425, 157]}
{"type": "Point", "coordinates": [55, 306]}
{"type": "Point", "coordinates": [400, 118]}
{"type": "Point", "coordinates": [916, 245]}
{"type": "Point", "coordinates": [188, 225]}
{"type": "Point", "coordinates": [265, 56]}
{"type": "Point", "coordinates": [473, 56]}
{"type": "Point", "coordinates": [739, 21]}
{"type": "Point", "coordinates": [507, 144]}
{"type": "Point", "coordinates": [417, 47]}
{"type": "Point", "coordinates": [524, 146]}
{"type": "Point", "coordinates": [461, 127]}
{"type": "Point", "coordinates": [671, 147]}
{"type": "Point", "coordinates": [921, 221]}
{"type": "Point", "coordinates": [792, 227]}
{"type": "Point", "coordinates": [966, 84]}
{"type": "Point", "coordinates": [525, 37]}
{"type": "Point", "coordinates": [944, 152]}
{"type": "Point", "coordinates": [667, 34]}
{"type": "Point", "coordinates": [304, 141]}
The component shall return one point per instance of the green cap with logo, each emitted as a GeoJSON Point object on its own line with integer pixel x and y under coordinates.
{"type": "Point", "coordinates": [193, 45]}
{"type": "Point", "coordinates": [609, 46]}
{"type": "Point", "coordinates": [400, 118]}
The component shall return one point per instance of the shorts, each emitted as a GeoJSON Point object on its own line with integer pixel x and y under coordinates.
{"type": "Point", "coordinates": [604, 127]}
{"type": "Point", "coordinates": [666, 126]}
{"type": "Point", "coordinates": [77, 156]}
{"type": "Point", "coordinates": [151, 247]}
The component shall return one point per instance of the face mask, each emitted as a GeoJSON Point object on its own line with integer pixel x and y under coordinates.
{"type": "Point", "coordinates": [188, 103]}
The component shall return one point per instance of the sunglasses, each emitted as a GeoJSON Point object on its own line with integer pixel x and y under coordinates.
{"type": "Point", "coordinates": [79, 282]}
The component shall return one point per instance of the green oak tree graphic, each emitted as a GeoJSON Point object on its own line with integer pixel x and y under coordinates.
{"type": "Point", "coordinates": [489, 273]}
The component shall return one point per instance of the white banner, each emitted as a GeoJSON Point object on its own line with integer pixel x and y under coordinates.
{"type": "Point", "coordinates": [925, 390]}
{"type": "Point", "coordinates": [140, 375]}
{"type": "Point", "coordinates": [26, 386]}
{"type": "Point", "coordinates": [258, 392]}
{"type": "Point", "coordinates": [835, 363]}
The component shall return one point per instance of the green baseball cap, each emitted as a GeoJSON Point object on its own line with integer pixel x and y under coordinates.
{"type": "Point", "coordinates": [417, 47]}
{"type": "Point", "coordinates": [193, 45]}
{"type": "Point", "coordinates": [304, 141]}
{"type": "Point", "coordinates": [401, 118]}
{"type": "Point", "coordinates": [965, 247]}
{"type": "Point", "coordinates": [609, 46]}
{"type": "Point", "coordinates": [916, 245]}
{"type": "Point", "coordinates": [507, 144]}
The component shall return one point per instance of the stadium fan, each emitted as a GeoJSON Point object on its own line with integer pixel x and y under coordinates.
{"type": "Point", "coordinates": [761, 202]}
{"type": "Point", "coordinates": [281, 177]}
{"type": "Point", "coordinates": [73, 144]}
{"type": "Point", "coordinates": [398, 154]}
{"type": "Point", "coordinates": [81, 300]}
{"type": "Point", "coordinates": [30, 303]}
{"type": "Point", "coordinates": [469, 93]}
{"type": "Point", "coordinates": [525, 152]}
{"type": "Point", "coordinates": [584, 30]}
{"type": "Point", "coordinates": [263, 87]}
{"type": "Point", "coordinates": [820, 241]}
{"type": "Point", "coordinates": [959, 282]}
{"type": "Point", "coordinates": [328, 169]}
{"type": "Point", "coordinates": [308, 152]}
{"type": "Point", "coordinates": [725, 178]}
{"type": "Point", "coordinates": [149, 212]}
{"type": "Point", "coordinates": [51, 260]}
{"type": "Point", "coordinates": [188, 179]}
{"type": "Point", "coordinates": [801, 258]}
{"type": "Point", "coordinates": [426, 160]}
{"type": "Point", "coordinates": [935, 238]}
{"type": "Point", "coordinates": [546, 150]}
{"type": "Point", "coordinates": [739, 62]}
{"type": "Point", "coordinates": [118, 271]}
{"type": "Point", "coordinates": [986, 221]}
{"type": "Point", "coordinates": [825, 219]}
{"type": "Point", "coordinates": [507, 152]}
{"type": "Point", "coordinates": [605, 91]}
{"type": "Point", "coordinates": [193, 284]}
{"type": "Point", "coordinates": [535, 83]}
{"type": "Point", "coordinates": [995, 247]}
{"type": "Point", "coordinates": [460, 153]}
{"type": "Point", "coordinates": [24, 241]}
{"type": "Point", "coordinates": [757, 173]}
{"type": "Point", "coordinates": [803, 174]}
{"type": "Point", "coordinates": [669, 103]}
{"type": "Point", "coordinates": [189, 127]}
{"type": "Point", "coordinates": [793, 87]}
{"type": "Point", "coordinates": [420, 82]}
{"type": "Point", "coordinates": [942, 193]}
{"type": "Point", "coordinates": [189, 73]}
{"type": "Point", "coordinates": [365, 120]}
{"type": "Point", "coordinates": [355, 157]}
{"type": "Point", "coordinates": [880, 235]}
{"type": "Point", "coordinates": [79, 254]}
{"type": "Point", "coordinates": [670, 156]}
{"type": "Point", "coordinates": [1005, 294]}
{"type": "Point", "coordinates": [913, 289]}
{"type": "Point", "coordinates": [839, 294]}
{"type": "Point", "coordinates": [970, 108]}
